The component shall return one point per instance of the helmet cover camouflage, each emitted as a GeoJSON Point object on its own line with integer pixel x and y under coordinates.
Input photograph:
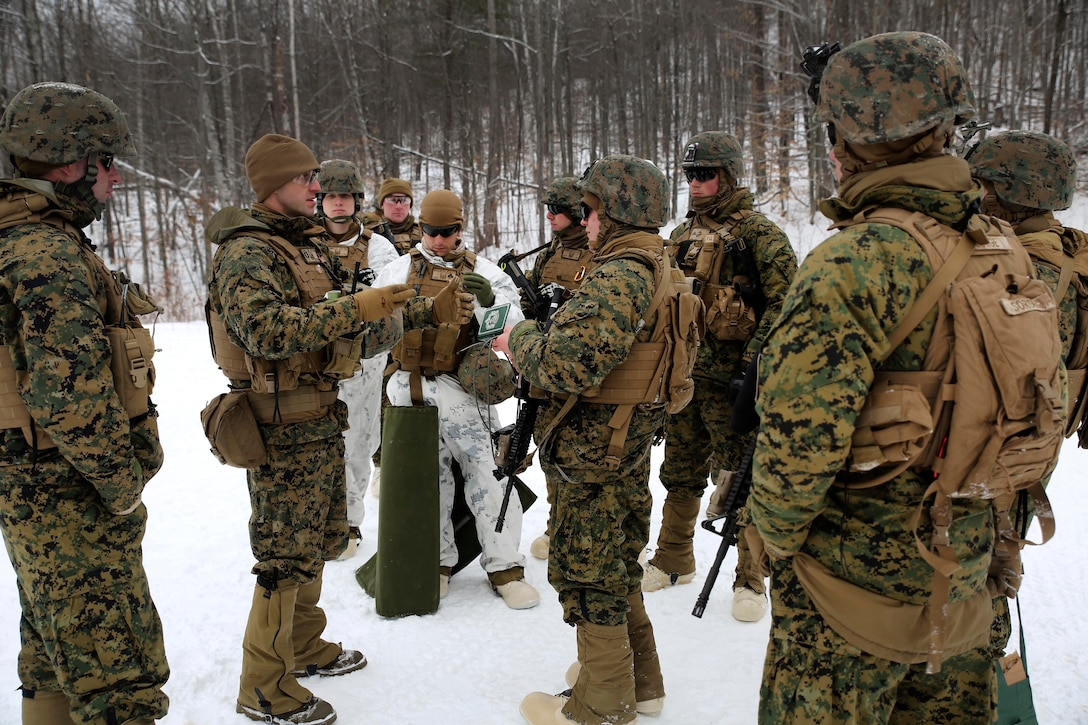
{"type": "Point", "coordinates": [564, 192]}
{"type": "Point", "coordinates": [340, 177]}
{"type": "Point", "coordinates": [714, 150]}
{"type": "Point", "coordinates": [486, 376]}
{"type": "Point", "coordinates": [1027, 168]}
{"type": "Point", "coordinates": [894, 86]}
{"type": "Point", "coordinates": [59, 123]}
{"type": "Point", "coordinates": [632, 190]}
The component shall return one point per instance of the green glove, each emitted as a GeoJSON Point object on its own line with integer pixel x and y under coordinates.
{"type": "Point", "coordinates": [480, 286]}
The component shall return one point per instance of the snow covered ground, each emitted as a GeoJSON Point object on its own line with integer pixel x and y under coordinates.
{"type": "Point", "coordinates": [472, 661]}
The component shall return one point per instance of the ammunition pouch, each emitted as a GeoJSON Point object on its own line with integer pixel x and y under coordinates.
{"type": "Point", "coordinates": [231, 429]}
{"type": "Point", "coordinates": [728, 315]}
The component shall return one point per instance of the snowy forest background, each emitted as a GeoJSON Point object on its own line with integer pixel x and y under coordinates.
{"type": "Point", "coordinates": [491, 98]}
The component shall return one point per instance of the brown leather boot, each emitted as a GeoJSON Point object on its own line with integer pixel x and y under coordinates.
{"type": "Point", "coordinates": [674, 559]}
{"type": "Point", "coordinates": [46, 707]}
{"type": "Point", "coordinates": [266, 685]}
{"type": "Point", "coordinates": [605, 690]}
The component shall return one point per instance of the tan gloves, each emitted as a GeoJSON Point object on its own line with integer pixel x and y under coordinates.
{"type": "Point", "coordinates": [452, 304]}
{"type": "Point", "coordinates": [375, 303]}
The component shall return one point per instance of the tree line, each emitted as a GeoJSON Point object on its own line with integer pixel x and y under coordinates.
{"type": "Point", "coordinates": [491, 98]}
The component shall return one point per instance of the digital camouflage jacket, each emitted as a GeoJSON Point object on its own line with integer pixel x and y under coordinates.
{"type": "Point", "coordinates": [52, 320]}
{"type": "Point", "coordinates": [814, 374]}
{"type": "Point", "coordinates": [776, 264]}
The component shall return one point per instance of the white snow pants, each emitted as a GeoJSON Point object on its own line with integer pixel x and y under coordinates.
{"type": "Point", "coordinates": [464, 433]}
{"type": "Point", "coordinates": [363, 395]}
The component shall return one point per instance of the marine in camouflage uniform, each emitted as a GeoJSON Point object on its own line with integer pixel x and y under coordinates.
{"type": "Point", "coordinates": [339, 205]}
{"type": "Point", "coordinates": [298, 515]}
{"type": "Point", "coordinates": [891, 103]}
{"type": "Point", "coordinates": [72, 474]}
{"type": "Point", "coordinates": [1027, 176]}
{"type": "Point", "coordinates": [600, 518]}
{"type": "Point", "coordinates": [465, 424]}
{"type": "Point", "coordinates": [700, 437]}
{"type": "Point", "coordinates": [565, 262]}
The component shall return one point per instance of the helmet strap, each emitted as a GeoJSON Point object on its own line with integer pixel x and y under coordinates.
{"type": "Point", "coordinates": [83, 190]}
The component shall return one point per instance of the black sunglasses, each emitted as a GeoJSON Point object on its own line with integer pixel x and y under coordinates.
{"type": "Point", "coordinates": [449, 231]}
{"type": "Point", "coordinates": [106, 160]}
{"type": "Point", "coordinates": [585, 209]}
{"type": "Point", "coordinates": [702, 174]}
{"type": "Point", "coordinates": [558, 209]}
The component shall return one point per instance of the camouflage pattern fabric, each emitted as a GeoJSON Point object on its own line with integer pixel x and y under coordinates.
{"type": "Point", "coordinates": [88, 625]}
{"type": "Point", "coordinates": [1027, 168]}
{"type": "Point", "coordinates": [892, 86]}
{"type": "Point", "coordinates": [811, 675]}
{"type": "Point", "coordinates": [464, 425]}
{"type": "Point", "coordinates": [776, 263]}
{"type": "Point", "coordinates": [815, 372]}
{"type": "Point", "coordinates": [632, 191]}
{"type": "Point", "coordinates": [701, 437]}
{"type": "Point", "coordinates": [406, 235]}
{"type": "Point", "coordinates": [298, 517]}
{"type": "Point", "coordinates": [600, 518]}
{"type": "Point", "coordinates": [253, 291]}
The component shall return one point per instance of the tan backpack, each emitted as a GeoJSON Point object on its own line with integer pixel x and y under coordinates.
{"type": "Point", "coordinates": [986, 414]}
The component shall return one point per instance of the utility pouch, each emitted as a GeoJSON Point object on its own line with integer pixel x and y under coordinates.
{"type": "Point", "coordinates": [728, 316]}
{"type": "Point", "coordinates": [130, 363]}
{"type": "Point", "coordinates": [232, 431]}
{"type": "Point", "coordinates": [270, 376]}
{"type": "Point", "coordinates": [345, 355]}
{"type": "Point", "coordinates": [893, 427]}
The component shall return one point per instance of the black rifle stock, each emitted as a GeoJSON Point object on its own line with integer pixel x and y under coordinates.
{"type": "Point", "coordinates": [521, 432]}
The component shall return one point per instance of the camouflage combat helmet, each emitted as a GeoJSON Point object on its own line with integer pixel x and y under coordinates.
{"type": "Point", "coordinates": [714, 150]}
{"type": "Point", "coordinates": [486, 376]}
{"type": "Point", "coordinates": [337, 176]}
{"type": "Point", "coordinates": [59, 123]}
{"type": "Point", "coordinates": [564, 192]}
{"type": "Point", "coordinates": [893, 86]}
{"type": "Point", "coordinates": [632, 190]}
{"type": "Point", "coordinates": [1027, 168]}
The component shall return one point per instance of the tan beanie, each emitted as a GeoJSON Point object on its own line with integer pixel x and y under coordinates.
{"type": "Point", "coordinates": [441, 208]}
{"type": "Point", "coordinates": [273, 160]}
{"type": "Point", "coordinates": [393, 186]}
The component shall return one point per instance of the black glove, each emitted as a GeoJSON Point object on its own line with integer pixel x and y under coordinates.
{"type": "Point", "coordinates": [365, 277]}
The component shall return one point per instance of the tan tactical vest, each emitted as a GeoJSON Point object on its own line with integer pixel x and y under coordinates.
{"type": "Point", "coordinates": [131, 346]}
{"type": "Point", "coordinates": [355, 253]}
{"type": "Point", "coordinates": [656, 372]}
{"type": "Point", "coordinates": [433, 350]}
{"type": "Point", "coordinates": [289, 402]}
{"type": "Point", "coordinates": [567, 268]}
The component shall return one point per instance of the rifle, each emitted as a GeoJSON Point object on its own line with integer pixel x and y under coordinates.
{"type": "Point", "coordinates": [813, 62]}
{"type": "Point", "coordinates": [513, 440]}
{"type": "Point", "coordinates": [509, 263]}
{"type": "Point", "coordinates": [744, 421]}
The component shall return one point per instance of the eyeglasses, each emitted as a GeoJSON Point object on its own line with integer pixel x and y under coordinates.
{"type": "Point", "coordinates": [557, 209]}
{"type": "Point", "coordinates": [831, 135]}
{"type": "Point", "coordinates": [106, 160]}
{"type": "Point", "coordinates": [440, 231]}
{"type": "Point", "coordinates": [398, 200]}
{"type": "Point", "coordinates": [701, 174]}
{"type": "Point", "coordinates": [585, 209]}
{"type": "Point", "coordinates": [306, 178]}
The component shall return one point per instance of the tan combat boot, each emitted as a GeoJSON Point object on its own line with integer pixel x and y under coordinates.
{"type": "Point", "coordinates": [674, 559]}
{"type": "Point", "coordinates": [266, 686]}
{"type": "Point", "coordinates": [46, 707]}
